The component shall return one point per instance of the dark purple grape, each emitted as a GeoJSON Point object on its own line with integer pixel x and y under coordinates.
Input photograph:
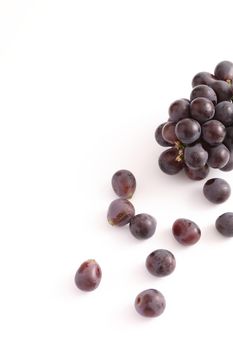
{"type": "Point", "coordinates": [120, 212]}
{"type": "Point", "coordinates": [224, 224]}
{"type": "Point", "coordinates": [229, 165]}
{"type": "Point", "coordinates": [224, 71]}
{"type": "Point", "coordinates": [224, 113]}
{"type": "Point", "coordinates": [170, 161]}
{"type": "Point", "coordinates": [202, 78]}
{"type": "Point", "coordinates": [195, 157]}
{"type": "Point", "coordinates": [159, 137]}
{"type": "Point", "coordinates": [161, 263]}
{"type": "Point", "coordinates": [168, 133]}
{"type": "Point", "coordinates": [204, 91]}
{"type": "Point", "coordinates": [88, 276]}
{"type": "Point", "coordinates": [202, 109]}
{"type": "Point", "coordinates": [197, 174]}
{"type": "Point", "coordinates": [179, 109]}
{"type": "Point", "coordinates": [188, 130]}
{"type": "Point", "coordinates": [142, 226]}
{"type": "Point", "coordinates": [217, 190]}
{"type": "Point", "coordinates": [150, 303]}
{"type": "Point", "coordinates": [186, 232]}
{"type": "Point", "coordinates": [124, 183]}
{"type": "Point", "coordinates": [228, 141]}
{"type": "Point", "coordinates": [218, 156]}
{"type": "Point", "coordinates": [222, 89]}
{"type": "Point", "coordinates": [213, 132]}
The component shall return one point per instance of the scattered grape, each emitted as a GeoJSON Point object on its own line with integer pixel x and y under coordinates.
{"type": "Point", "coordinates": [150, 303]}
{"type": "Point", "coordinates": [124, 183]}
{"type": "Point", "coordinates": [120, 212]}
{"type": "Point", "coordinates": [217, 190]}
{"type": "Point", "coordinates": [186, 231]}
{"type": "Point", "coordinates": [142, 226]}
{"type": "Point", "coordinates": [161, 263]}
{"type": "Point", "coordinates": [88, 276]}
{"type": "Point", "coordinates": [224, 224]}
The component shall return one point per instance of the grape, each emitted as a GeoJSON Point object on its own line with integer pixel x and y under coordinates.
{"type": "Point", "coordinates": [161, 263]}
{"type": "Point", "coordinates": [120, 212]}
{"type": "Point", "coordinates": [223, 90]}
{"type": "Point", "coordinates": [150, 303]}
{"type": "Point", "coordinates": [188, 130]}
{"type": "Point", "coordinates": [224, 224]}
{"type": "Point", "coordinates": [159, 137]}
{"type": "Point", "coordinates": [229, 165]}
{"type": "Point", "coordinates": [195, 157]}
{"type": "Point", "coordinates": [170, 162]}
{"type": "Point", "coordinates": [124, 183]}
{"type": "Point", "coordinates": [88, 276]}
{"type": "Point", "coordinates": [179, 109]}
{"type": "Point", "coordinates": [224, 71]}
{"type": "Point", "coordinates": [224, 113]}
{"type": "Point", "coordinates": [202, 109]}
{"type": "Point", "coordinates": [197, 174]}
{"type": "Point", "coordinates": [168, 133]}
{"type": "Point", "coordinates": [142, 226]}
{"type": "Point", "coordinates": [204, 91]}
{"type": "Point", "coordinates": [213, 132]}
{"type": "Point", "coordinates": [202, 78]}
{"type": "Point", "coordinates": [186, 231]}
{"type": "Point", "coordinates": [228, 141]}
{"type": "Point", "coordinates": [217, 190]}
{"type": "Point", "coordinates": [218, 156]}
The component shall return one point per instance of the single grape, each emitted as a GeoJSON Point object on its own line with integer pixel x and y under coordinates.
{"type": "Point", "coordinates": [222, 89]}
{"type": "Point", "coordinates": [120, 212]}
{"type": "Point", "coordinates": [150, 303]}
{"type": "Point", "coordinates": [224, 113]}
{"type": "Point", "coordinates": [168, 133]}
{"type": "Point", "coordinates": [170, 161]}
{"type": "Point", "coordinates": [224, 224]}
{"type": "Point", "coordinates": [217, 190]}
{"type": "Point", "coordinates": [228, 141]}
{"type": "Point", "coordinates": [204, 91]}
{"type": "Point", "coordinates": [224, 71]}
{"type": "Point", "coordinates": [229, 165]}
{"type": "Point", "coordinates": [142, 226]}
{"type": "Point", "coordinates": [218, 156]}
{"type": "Point", "coordinates": [159, 137]}
{"type": "Point", "coordinates": [161, 263]}
{"type": "Point", "coordinates": [197, 174]}
{"type": "Point", "coordinates": [88, 276]}
{"type": "Point", "coordinates": [124, 183]}
{"type": "Point", "coordinates": [186, 231]}
{"type": "Point", "coordinates": [213, 132]}
{"type": "Point", "coordinates": [179, 109]}
{"type": "Point", "coordinates": [202, 109]}
{"type": "Point", "coordinates": [202, 78]}
{"type": "Point", "coordinates": [188, 130]}
{"type": "Point", "coordinates": [195, 157]}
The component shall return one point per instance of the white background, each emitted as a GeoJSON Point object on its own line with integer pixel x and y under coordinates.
{"type": "Point", "coordinates": [83, 85]}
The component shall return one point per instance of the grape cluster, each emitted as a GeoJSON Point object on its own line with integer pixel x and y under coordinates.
{"type": "Point", "coordinates": [199, 131]}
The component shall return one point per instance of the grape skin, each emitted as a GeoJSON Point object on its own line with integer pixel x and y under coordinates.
{"type": "Point", "coordinates": [218, 156]}
{"type": "Point", "coordinates": [159, 137]}
{"type": "Point", "coordinates": [224, 113]}
{"type": "Point", "coordinates": [204, 91]}
{"type": "Point", "coordinates": [195, 157]}
{"type": "Point", "coordinates": [170, 162]}
{"type": "Point", "coordinates": [188, 130]}
{"type": "Point", "coordinates": [213, 132]}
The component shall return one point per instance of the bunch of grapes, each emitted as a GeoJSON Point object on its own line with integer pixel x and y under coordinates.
{"type": "Point", "coordinates": [199, 131]}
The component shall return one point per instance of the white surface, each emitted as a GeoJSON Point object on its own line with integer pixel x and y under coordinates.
{"type": "Point", "coordinates": [83, 84]}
